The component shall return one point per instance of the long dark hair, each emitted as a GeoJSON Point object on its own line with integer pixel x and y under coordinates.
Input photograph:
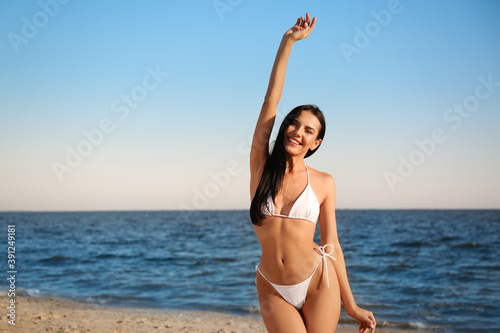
{"type": "Point", "coordinates": [275, 167]}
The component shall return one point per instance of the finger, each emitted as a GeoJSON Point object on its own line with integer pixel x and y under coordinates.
{"type": "Point", "coordinates": [368, 326]}
{"type": "Point", "coordinates": [308, 18]}
{"type": "Point", "coordinates": [373, 321]}
{"type": "Point", "coordinates": [298, 22]}
{"type": "Point", "coordinates": [303, 20]}
{"type": "Point", "coordinates": [313, 22]}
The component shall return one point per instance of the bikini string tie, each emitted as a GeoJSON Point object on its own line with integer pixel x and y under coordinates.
{"type": "Point", "coordinates": [324, 254]}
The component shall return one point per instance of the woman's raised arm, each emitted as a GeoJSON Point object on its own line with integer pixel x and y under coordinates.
{"type": "Point", "coordinates": [260, 143]}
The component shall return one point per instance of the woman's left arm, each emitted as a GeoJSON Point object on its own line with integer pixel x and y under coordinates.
{"type": "Point", "coordinates": [328, 227]}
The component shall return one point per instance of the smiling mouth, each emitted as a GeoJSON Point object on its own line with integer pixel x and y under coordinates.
{"type": "Point", "coordinates": [293, 142]}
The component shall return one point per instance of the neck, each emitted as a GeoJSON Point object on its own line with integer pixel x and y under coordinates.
{"type": "Point", "coordinates": [295, 163]}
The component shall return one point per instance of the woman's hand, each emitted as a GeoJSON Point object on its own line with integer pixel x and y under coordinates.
{"type": "Point", "coordinates": [366, 319]}
{"type": "Point", "coordinates": [301, 29]}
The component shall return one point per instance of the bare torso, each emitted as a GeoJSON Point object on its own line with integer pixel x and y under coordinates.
{"type": "Point", "coordinates": [288, 248]}
{"type": "Point", "coordinates": [288, 255]}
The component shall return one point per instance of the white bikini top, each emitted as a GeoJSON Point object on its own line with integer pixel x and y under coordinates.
{"type": "Point", "coordinates": [305, 207]}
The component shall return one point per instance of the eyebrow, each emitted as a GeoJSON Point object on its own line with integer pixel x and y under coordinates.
{"type": "Point", "coordinates": [311, 128]}
{"type": "Point", "coordinates": [308, 127]}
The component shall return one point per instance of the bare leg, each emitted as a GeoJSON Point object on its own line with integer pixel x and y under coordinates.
{"type": "Point", "coordinates": [279, 316]}
{"type": "Point", "coordinates": [321, 309]}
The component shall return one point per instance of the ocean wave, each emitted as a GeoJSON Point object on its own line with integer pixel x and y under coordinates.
{"type": "Point", "coordinates": [469, 245]}
{"type": "Point", "coordinates": [414, 243]}
{"type": "Point", "coordinates": [112, 299]}
{"type": "Point", "coordinates": [252, 310]}
{"type": "Point", "coordinates": [409, 325]}
{"type": "Point", "coordinates": [57, 259]}
{"type": "Point", "coordinates": [393, 325]}
{"type": "Point", "coordinates": [119, 256]}
{"type": "Point", "coordinates": [21, 292]}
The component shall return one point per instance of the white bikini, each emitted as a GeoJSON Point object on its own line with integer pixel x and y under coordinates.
{"type": "Point", "coordinates": [306, 207]}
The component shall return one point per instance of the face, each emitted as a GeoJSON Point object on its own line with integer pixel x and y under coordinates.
{"type": "Point", "coordinates": [301, 135]}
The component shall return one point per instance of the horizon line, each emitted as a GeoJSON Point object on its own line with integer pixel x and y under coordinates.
{"type": "Point", "coordinates": [216, 210]}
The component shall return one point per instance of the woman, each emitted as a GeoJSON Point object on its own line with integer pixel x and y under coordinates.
{"type": "Point", "coordinates": [299, 283]}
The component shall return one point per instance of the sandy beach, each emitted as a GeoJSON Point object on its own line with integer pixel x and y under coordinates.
{"type": "Point", "coordinates": [35, 314]}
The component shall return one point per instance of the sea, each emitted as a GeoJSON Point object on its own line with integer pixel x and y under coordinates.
{"type": "Point", "coordinates": [432, 270]}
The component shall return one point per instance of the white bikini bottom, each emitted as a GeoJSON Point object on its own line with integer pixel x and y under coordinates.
{"type": "Point", "coordinates": [295, 294]}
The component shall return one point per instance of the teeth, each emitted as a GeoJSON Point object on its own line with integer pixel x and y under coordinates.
{"type": "Point", "coordinates": [294, 141]}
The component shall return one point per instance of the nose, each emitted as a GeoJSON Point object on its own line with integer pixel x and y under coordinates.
{"type": "Point", "coordinates": [298, 131]}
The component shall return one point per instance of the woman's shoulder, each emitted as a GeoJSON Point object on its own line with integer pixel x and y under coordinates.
{"type": "Point", "coordinates": [323, 184]}
{"type": "Point", "coordinates": [321, 177]}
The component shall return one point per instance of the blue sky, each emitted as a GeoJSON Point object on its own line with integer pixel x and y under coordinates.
{"type": "Point", "coordinates": [168, 93]}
